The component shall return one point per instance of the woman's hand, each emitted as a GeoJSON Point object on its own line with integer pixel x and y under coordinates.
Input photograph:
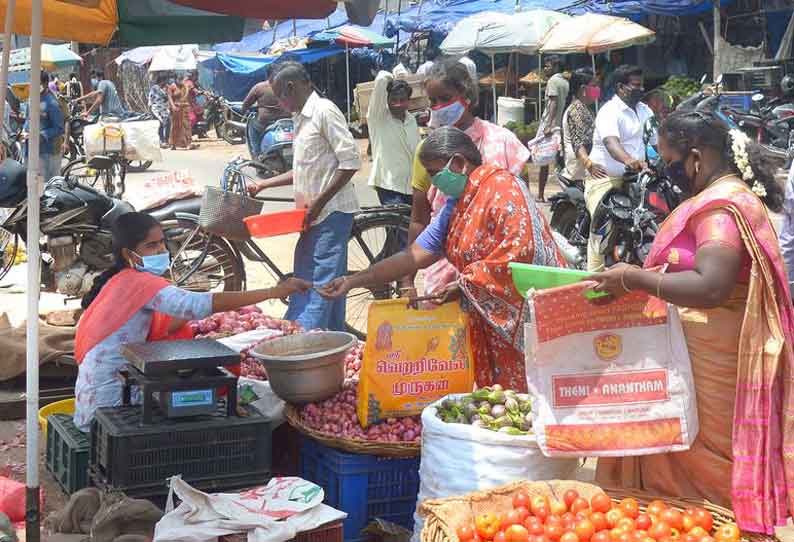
{"type": "Point", "coordinates": [597, 171]}
{"type": "Point", "coordinates": [451, 292]}
{"type": "Point", "coordinates": [613, 280]}
{"type": "Point", "coordinates": [292, 285]}
{"type": "Point", "coordinates": [336, 288]}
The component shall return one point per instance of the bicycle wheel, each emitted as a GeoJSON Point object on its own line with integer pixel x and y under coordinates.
{"type": "Point", "coordinates": [9, 245]}
{"type": "Point", "coordinates": [200, 261]}
{"type": "Point", "coordinates": [77, 170]}
{"type": "Point", "coordinates": [375, 237]}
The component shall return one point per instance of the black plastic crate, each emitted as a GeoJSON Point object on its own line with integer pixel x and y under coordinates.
{"type": "Point", "coordinates": [126, 454]}
{"type": "Point", "coordinates": [67, 452]}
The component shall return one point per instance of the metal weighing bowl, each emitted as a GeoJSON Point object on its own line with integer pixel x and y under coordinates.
{"type": "Point", "coordinates": [307, 367]}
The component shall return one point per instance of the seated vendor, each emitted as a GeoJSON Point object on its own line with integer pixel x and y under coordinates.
{"type": "Point", "coordinates": [489, 219]}
{"type": "Point", "coordinates": [132, 303]}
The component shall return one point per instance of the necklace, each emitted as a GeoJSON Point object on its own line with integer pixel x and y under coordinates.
{"type": "Point", "coordinates": [720, 179]}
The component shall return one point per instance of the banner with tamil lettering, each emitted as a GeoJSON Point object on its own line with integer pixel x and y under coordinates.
{"type": "Point", "coordinates": [610, 379]}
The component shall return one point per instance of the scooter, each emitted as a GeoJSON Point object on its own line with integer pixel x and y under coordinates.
{"type": "Point", "coordinates": [274, 151]}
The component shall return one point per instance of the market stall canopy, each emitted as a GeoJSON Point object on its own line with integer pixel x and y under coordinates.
{"type": "Point", "coordinates": [593, 33]}
{"type": "Point", "coordinates": [358, 11]}
{"type": "Point", "coordinates": [174, 58]}
{"type": "Point", "coordinates": [353, 36]}
{"type": "Point", "coordinates": [637, 8]}
{"type": "Point", "coordinates": [492, 33]}
{"type": "Point", "coordinates": [52, 57]}
{"type": "Point", "coordinates": [131, 22]}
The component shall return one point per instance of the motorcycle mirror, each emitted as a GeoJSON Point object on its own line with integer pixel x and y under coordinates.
{"type": "Point", "coordinates": [718, 80]}
{"type": "Point", "coordinates": [758, 97]}
{"type": "Point", "coordinates": [703, 79]}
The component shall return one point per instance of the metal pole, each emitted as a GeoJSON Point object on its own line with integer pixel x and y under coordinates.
{"type": "Point", "coordinates": [9, 28]}
{"type": "Point", "coordinates": [294, 28]}
{"type": "Point", "coordinates": [397, 35]}
{"type": "Point", "coordinates": [347, 69]}
{"type": "Point", "coordinates": [540, 86]}
{"type": "Point", "coordinates": [592, 57]}
{"type": "Point", "coordinates": [717, 36]}
{"type": "Point", "coordinates": [493, 85]}
{"type": "Point", "coordinates": [34, 281]}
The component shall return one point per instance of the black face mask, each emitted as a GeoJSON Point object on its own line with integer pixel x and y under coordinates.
{"type": "Point", "coordinates": [634, 96]}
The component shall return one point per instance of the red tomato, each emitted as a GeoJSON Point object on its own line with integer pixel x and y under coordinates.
{"type": "Point", "coordinates": [630, 507]}
{"type": "Point", "coordinates": [600, 536]}
{"type": "Point", "coordinates": [626, 524]}
{"type": "Point", "coordinates": [534, 526]}
{"type": "Point", "coordinates": [688, 537]}
{"type": "Point", "coordinates": [523, 513]}
{"type": "Point", "coordinates": [465, 533]}
{"type": "Point", "coordinates": [698, 532]}
{"type": "Point", "coordinates": [613, 516]}
{"type": "Point", "coordinates": [708, 539]}
{"type": "Point", "coordinates": [614, 534]}
{"type": "Point", "coordinates": [569, 496]}
{"type": "Point", "coordinates": [579, 505]}
{"type": "Point", "coordinates": [521, 499]}
{"type": "Point", "coordinates": [513, 517]}
{"type": "Point", "coordinates": [703, 518]}
{"type": "Point", "coordinates": [583, 514]}
{"type": "Point", "coordinates": [601, 503]}
{"type": "Point", "coordinates": [557, 508]}
{"type": "Point", "coordinates": [541, 512]}
{"type": "Point", "coordinates": [599, 521]}
{"type": "Point", "coordinates": [643, 522]}
{"type": "Point", "coordinates": [660, 530]}
{"type": "Point", "coordinates": [640, 535]}
{"type": "Point", "coordinates": [538, 502]}
{"type": "Point", "coordinates": [655, 508]}
{"type": "Point", "coordinates": [500, 537]}
{"type": "Point", "coordinates": [487, 525]}
{"type": "Point", "coordinates": [517, 533]}
{"type": "Point", "coordinates": [689, 520]}
{"type": "Point", "coordinates": [554, 520]}
{"type": "Point", "coordinates": [554, 531]}
{"type": "Point", "coordinates": [585, 530]}
{"type": "Point", "coordinates": [673, 518]}
{"type": "Point", "coordinates": [727, 533]}
{"type": "Point", "coordinates": [570, 536]}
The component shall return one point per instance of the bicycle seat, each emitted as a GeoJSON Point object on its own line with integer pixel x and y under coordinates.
{"type": "Point", "coordinates": [101, 162]}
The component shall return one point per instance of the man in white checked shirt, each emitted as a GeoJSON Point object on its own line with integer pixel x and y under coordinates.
{"type": "Point", "coordinates": [325, 160]}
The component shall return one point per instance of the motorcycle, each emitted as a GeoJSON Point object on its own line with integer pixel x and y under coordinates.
{"type": "Point", "coordinates": [212, 117]}
{"type": "Point", "coordinates": [569, 218]}
{"type": "Point", "coordinates": [235, 122]}
{"type": "Point", "coordinates": [273, 152]}
{"type": "Point", "coordinates": [76, 224]}
{"type": "Point", "coordinates": [771, 124]}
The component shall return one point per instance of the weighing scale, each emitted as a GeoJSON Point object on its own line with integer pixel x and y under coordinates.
{"type": "Point", "coordinates": [182, 378]}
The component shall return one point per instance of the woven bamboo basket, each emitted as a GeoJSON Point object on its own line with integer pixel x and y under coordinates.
{"type": "Point", "coordinates": [444, 516]}
{"type": "Point", "coordinates": [356, 446]}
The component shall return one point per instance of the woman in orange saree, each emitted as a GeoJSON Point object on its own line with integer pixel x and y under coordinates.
{"type": "Point", "coordinates": [725, 273]}
{"type": "Point", "coordinates": [489, 220]}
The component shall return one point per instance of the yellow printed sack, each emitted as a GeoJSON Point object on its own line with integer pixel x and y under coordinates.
{"type": "Point", "coordinates": [412, 358]}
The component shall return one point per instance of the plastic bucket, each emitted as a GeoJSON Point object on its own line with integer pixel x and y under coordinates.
{"type": "Point", "coordinates": [273, 224]}
{"type": "Point", "coordinates": [538, 277]}
{"type": "Point", "coordinates": [59, 407]}
{"type": "Point", "coordinates": [509, 109]}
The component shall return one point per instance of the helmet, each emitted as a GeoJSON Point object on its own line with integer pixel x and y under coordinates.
{"type": "Point", "coordinates": [787, 85]}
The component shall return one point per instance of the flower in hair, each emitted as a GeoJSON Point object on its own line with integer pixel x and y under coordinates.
{"type": "Point", "coordinates": [759, 189]}
{"type": "Point", "coordinates": [739, 141]}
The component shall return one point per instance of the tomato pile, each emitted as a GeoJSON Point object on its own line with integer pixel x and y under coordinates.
{"type": "Point", "coordinates": [575, 519]}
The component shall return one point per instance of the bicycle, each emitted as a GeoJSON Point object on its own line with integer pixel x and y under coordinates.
{"type": "Point", "coordinates": [108, 171]}
{"type": "Point", "coordinates": [209, 262]}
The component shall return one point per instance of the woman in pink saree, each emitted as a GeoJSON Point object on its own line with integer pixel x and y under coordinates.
{"type": "Point", "coordinates": [725, 274]}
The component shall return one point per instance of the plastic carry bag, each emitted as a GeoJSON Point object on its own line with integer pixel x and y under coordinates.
{"type": "Point", "coordinates": [543, 149]}
{"type": "Point", "coordinates": [412, 358]}
{"type": "Point", "coordinates": [610, 379]}
{"type": "Point", "coordinates": [136, 140]}
{"type": "Point", "coordinates": [458, 459]}
{"type": "Point", "coordinates": [272, 513]}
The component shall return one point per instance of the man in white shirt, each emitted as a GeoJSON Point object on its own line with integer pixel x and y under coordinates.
{"type": "Point", "coordinates": [430, 58]}
{"type": "Point", "coordinates": [617, 145]}
{"type": "Point", "coordinates": [401, 69]}
{"type": "Point", "coordinates": [325, 160]}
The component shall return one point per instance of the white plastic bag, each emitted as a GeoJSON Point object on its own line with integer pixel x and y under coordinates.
{"type": "Point", "coordinates": [458, 459]}
{"type": "Point", "coordinates": [103, 138]}
{"type": "Point", "coordinates": [269, 405]}
{"type": "Point", "coordinates": [142, 140]}
{"type": "Point", "coordinates": [272, 513]}
{"type": "Point", "coordinates": [247, 339]}
{"type": "Point", "coordinates": [543, 149]}
{"type": "Point", "coordinates": [609, 379]}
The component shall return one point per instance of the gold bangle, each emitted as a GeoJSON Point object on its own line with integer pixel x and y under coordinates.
{"type": "Point", "coordinates": [622, 281]}
{"type": "Point", "coordinates": [659, 286]}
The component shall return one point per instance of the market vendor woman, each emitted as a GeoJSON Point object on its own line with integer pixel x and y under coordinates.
{"type": "Point", "coordinates": [489, 221]}
{"type": "Point", "coordinates": [132, 303]}
{"type": "Point", "coordinates": [726, 275]}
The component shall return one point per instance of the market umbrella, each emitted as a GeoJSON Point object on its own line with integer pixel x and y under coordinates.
{"type": "Point", "coordinates": [174, 58]}
{"type": "Point", "coordinates": [352, 36]}
{"type": "Point", "coordinates": [492, 33]}
{"type": "Point", "coordinates": [57, 56]}
{"type": "Point", "coordinates": [593, 33]}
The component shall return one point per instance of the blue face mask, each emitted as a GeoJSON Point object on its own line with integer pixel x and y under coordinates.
{"type": "Point", "coordinates": [156, 264]}
{"type": "Point", "coordinates": [449, 182]}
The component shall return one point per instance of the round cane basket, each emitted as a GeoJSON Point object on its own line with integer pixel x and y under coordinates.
{"type": "Point", "coordinates": [443, 516]}
{"type": "Point", "coordinates": [355, 446]}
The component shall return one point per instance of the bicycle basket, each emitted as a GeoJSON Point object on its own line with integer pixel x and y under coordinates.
{"type": "Point", "coordinates": [222, 213]}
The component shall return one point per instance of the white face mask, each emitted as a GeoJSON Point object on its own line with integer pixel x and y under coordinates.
{"type": "Point", "coordinates": [447, 114]}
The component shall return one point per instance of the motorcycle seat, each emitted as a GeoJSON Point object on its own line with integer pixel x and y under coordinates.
{"type": "Point", "coordinates": [236, 106]}
{"type": "Point", "coordinates": [100, 162]}
{"type": "Point", "coordinates": [168, 210]}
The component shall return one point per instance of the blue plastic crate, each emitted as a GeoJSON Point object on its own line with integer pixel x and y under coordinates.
{"type": "Point", "coordinates": [364, 486]}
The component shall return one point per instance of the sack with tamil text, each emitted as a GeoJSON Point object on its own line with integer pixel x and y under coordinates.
{"type": "Point", "coordinates": [412, 358]}
{"type": "Point", "coordinates": [610, 379]}
{"type": "Point", "coordinates": [543, 149]}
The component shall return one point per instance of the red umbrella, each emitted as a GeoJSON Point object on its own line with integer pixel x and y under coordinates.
{"type": "Point", "coordinates": [266, 9]}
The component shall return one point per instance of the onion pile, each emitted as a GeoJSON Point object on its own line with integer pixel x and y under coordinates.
{"type": "Point", "coordinates": [353, 360]}
{"type": "Point", "coordinates": [226, 324]}
{"type": "Point", "coordinates": [337, 417]}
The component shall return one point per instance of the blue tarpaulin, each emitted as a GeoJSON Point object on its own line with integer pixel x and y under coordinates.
{"type": "Point", "coordinates": [232, 75]}
{"type": "Point", "coordinates": [637, 8]}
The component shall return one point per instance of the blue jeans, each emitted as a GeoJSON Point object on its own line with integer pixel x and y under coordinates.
{"type": "Point", "coordinates": [254, 133]}
{"type": "Point", "coordinates": [320, 257]}
{"type": "Point", "coordinates": [50, 165]}
{"type": "Point", "coordinates": [165, 128]}
{"type": "Point", "coordinates": [391, 197]}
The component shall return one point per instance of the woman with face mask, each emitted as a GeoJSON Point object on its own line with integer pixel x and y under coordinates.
{"type": "Point", "coordinates": [725, 274]}
{"type": "Point", "coordinates": [132, 302]}
{"type": "Point", "coordinates": [490, 219]}
{"type": "Point", "coordinates": [578, 123]}
{"type": "Point", "coordinates": [453, 95]}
